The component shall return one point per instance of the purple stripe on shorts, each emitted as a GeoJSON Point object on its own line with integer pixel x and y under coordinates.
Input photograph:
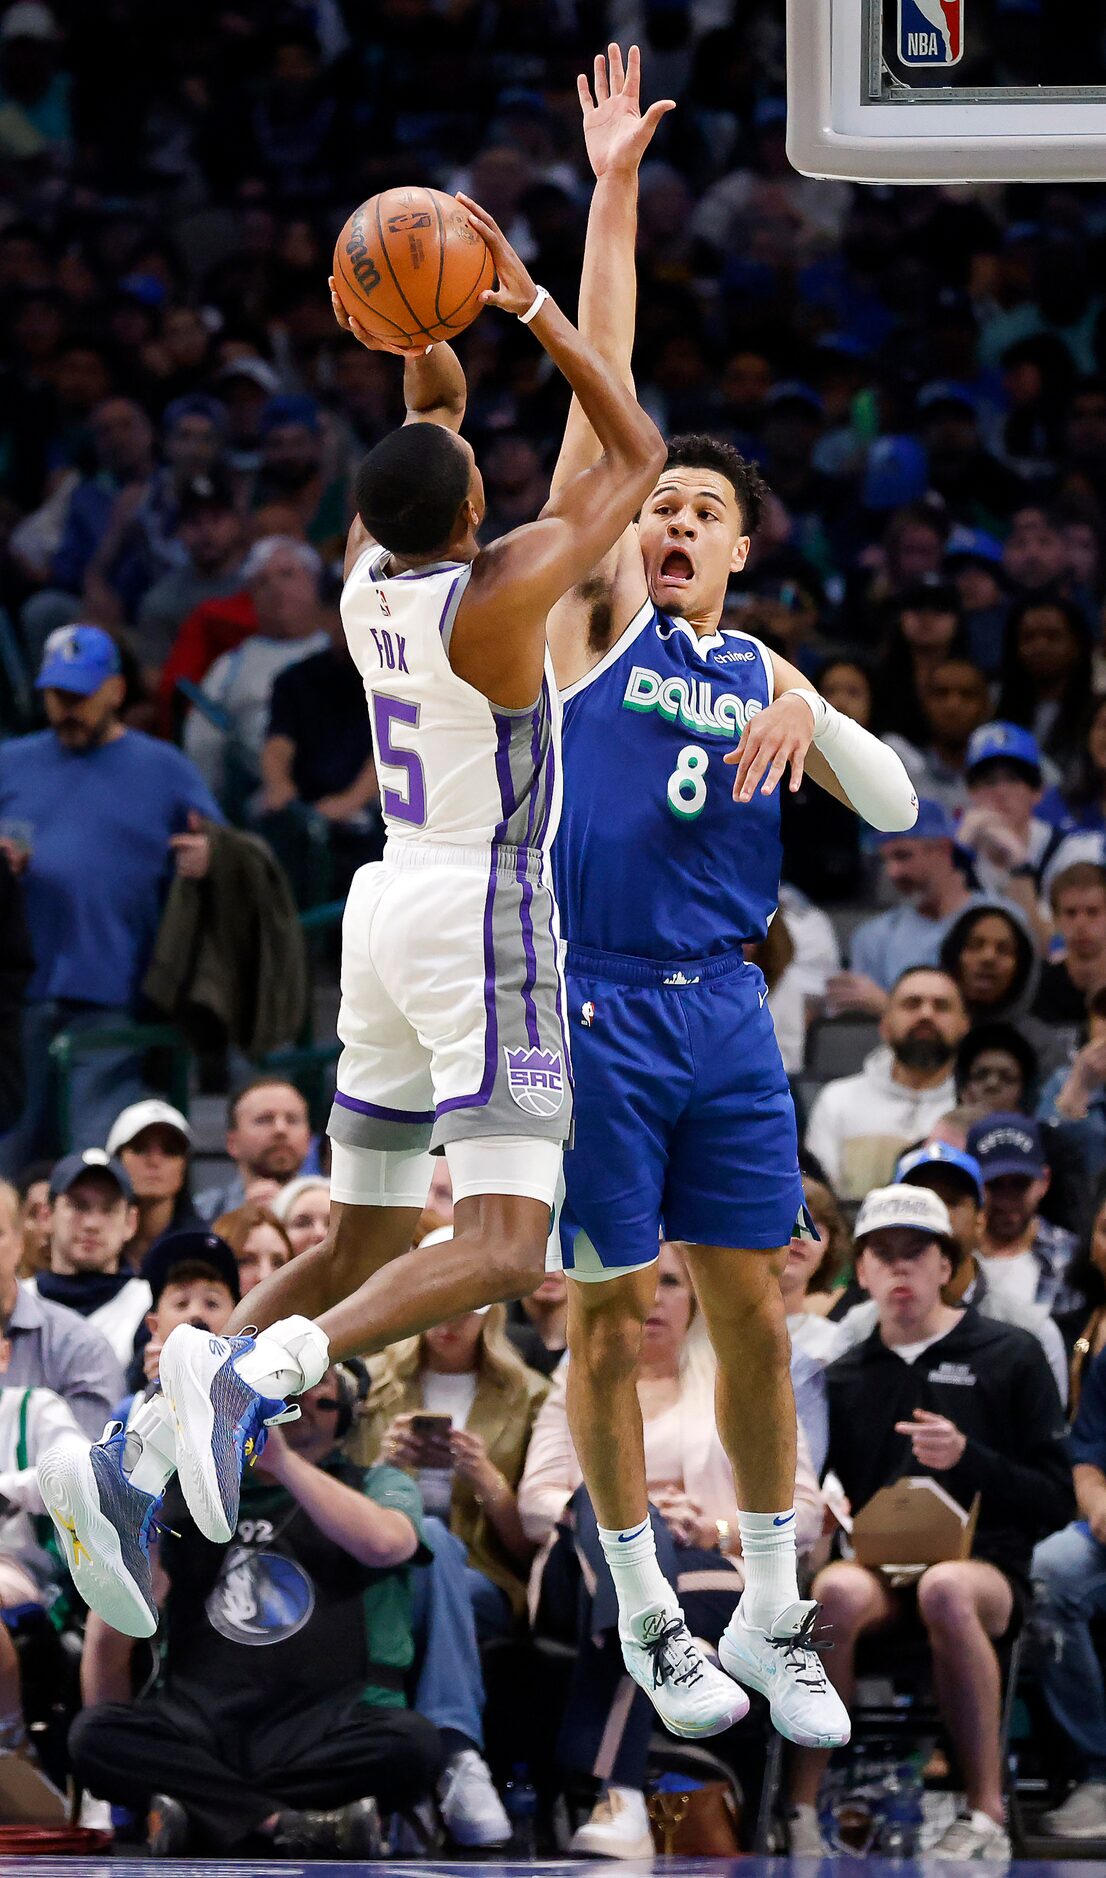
{"type": "Point", "coordinates": [527, 922]}
{"type": "Point", "coordinates": [491, 1027]}
{"type": "Point", "coordinates": [382, 1114]}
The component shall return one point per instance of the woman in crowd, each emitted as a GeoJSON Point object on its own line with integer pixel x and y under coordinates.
{"type": "Point", "coordinates": [303, 1209]}
{"type": "Point", "coordinates": [926, 630]}
{"type": "Point", "coordinates": [996, 1070]}
{"type": "Point", "coordinates": [1047, 681]}
{"type": "Point", "coordinates": [1078, 805]}
{"type": "Point", "coordinates": [809, 1279]}
{"type": "Point", "coordinates": [538, 1325]}
{"type": "Point", "coordinates": [154, 1141]}
{"type": "Point", "coordinates": [991, 955]}
{"type": "Point", "coordinates": [258, 1240]}
{"type": "Point", "coordinates": [607, 1724]}
{"type": "Point", "coordinates": [456, 1407]}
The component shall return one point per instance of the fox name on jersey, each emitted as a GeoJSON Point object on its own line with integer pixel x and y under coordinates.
{"type": "Point", "coordinates": [453, 767]}
{"type": "Point", "coordinates": [654, 859]}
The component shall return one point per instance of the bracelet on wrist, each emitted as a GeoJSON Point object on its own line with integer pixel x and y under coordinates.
{"type": "Point", "coordinates": [541, 295]}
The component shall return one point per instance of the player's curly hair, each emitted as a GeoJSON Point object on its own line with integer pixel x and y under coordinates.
{"type": "Point", "coordinates": [410, 488]}
{"type": "Point", "coordinates": [696, 450]}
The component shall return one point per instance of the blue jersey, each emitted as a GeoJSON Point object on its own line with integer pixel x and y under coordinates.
{"type": "Point", "coordinates": [654, 859]}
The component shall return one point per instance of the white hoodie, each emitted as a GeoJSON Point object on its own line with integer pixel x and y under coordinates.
{"type": "Point", "coordinates": [859, 1125]}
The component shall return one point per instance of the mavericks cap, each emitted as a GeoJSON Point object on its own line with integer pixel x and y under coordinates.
{"type": "Point", "coordinates": [1007, 1144]}
{"type": "Point", "coordinates": [914, 1167]}
{"type": "Point", "coordinates": [150, 1114]}
{"type": "Point", "coordinates": [191, 1247]}
{"type": "Point", "coordinates": [915, 1208]}
{"type": "Point", "coordinates": [80, 659]}
{"type": "Point", "coordinates": [1007, 743]}
{"type": "Point", "coordinates": [92, 1161]}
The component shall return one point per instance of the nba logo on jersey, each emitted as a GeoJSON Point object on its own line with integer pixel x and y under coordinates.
{"type": "Point", "coordinates": [536, 1080]}
{"type": "Point", "coordinates": [931, 32]}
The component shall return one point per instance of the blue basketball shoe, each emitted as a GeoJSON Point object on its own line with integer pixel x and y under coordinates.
{"type": "Point", "coordinates": [220, 1422]}
{"type": "Point", "coordinates": [105, 1526]}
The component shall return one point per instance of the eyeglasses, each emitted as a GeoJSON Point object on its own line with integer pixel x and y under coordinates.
{"type": "Point", "coordinates": [329, 1402]}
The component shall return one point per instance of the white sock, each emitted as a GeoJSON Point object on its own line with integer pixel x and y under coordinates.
{"type": "Point", "coordinates": [150, 1447]}
{"type": "Point", "coordinates": [768, 1555]}
{"type": "Point", "coordinates": [638, 1580]}
{"type": "Point", "coordinates": [287, 1358]}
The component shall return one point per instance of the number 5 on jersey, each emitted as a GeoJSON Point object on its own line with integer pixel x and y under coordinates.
{"type": "Point", "coordinates": [687, 785]}
{"type": "Point", "coordinates": [410, 807]}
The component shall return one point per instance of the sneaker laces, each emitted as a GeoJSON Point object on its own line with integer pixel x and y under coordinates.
{"type": "Point", "coordinates": [672, 1661]}
{"type": "Point", "coordinates": [801, 1653]}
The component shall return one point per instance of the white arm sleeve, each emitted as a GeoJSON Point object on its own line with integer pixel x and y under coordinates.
{"type": "Point", "coordinates": [873, 777]}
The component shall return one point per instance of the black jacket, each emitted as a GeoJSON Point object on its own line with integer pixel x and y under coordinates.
{"type": "Point", "coordinates": [994, 1382]}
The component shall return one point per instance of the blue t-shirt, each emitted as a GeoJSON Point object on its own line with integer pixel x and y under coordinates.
{"type": "Point", "coordinates": [100, 861]}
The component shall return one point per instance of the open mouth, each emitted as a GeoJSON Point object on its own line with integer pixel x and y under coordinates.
{"type": "Point", "coordinates": [676, 567]}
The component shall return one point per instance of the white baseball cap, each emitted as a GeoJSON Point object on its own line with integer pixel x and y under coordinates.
{"type": "Point", "coordinates": [917, 1208]}
{"type": "Point", "coordinates": [142, 1115]}
{"type": "Point", "coordinates": [438, 1237]}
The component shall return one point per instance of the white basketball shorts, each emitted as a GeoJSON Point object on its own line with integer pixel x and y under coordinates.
{"type": "Point", "coordinates": [453, 1001]}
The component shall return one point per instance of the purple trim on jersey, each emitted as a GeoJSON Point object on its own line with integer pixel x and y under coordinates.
{"type": "Point", "coordinates": [503, 729]}
{"type": "Point", "coordinates": [491, 1027]}
{"type": "Point", "coordinates": [535, 756]}
{"type": "Point", "coordinates": [448, 599]}
{"type": "Point", "coordinates": [549, 786]}
{"type": "Point", "coordinates": [381, 1114]}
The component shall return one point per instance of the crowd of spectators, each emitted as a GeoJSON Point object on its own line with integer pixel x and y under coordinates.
{"type": "Point", "coordinates": [921, 374]}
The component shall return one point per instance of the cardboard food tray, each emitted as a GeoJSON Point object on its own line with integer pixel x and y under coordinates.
{"type": "Point", "coordinates": [912, 1524]}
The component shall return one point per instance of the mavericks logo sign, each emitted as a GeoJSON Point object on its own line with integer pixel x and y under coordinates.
{"type": "Point", "coordinates": [536, 1081]}
{"type": "Point", "coordinates": [690, 702]}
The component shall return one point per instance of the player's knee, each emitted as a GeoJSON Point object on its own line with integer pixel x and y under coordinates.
{"type": "Point", "coordinates": [518, 1260]}
{"type": "Point", "coordinates": [607, 1343]}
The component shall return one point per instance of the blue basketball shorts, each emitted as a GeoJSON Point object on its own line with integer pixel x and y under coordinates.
{"type": "Point", "coordinates": [685, 1126]}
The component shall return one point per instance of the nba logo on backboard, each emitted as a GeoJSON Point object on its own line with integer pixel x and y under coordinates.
{"type": "Point", "coordinates": [931, 32]}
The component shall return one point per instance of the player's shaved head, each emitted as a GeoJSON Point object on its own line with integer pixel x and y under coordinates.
{"type": "Point", "coordinates": [411, 486]}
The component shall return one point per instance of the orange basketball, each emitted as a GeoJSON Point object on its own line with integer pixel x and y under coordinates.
{"type": "Point", "coordinates": [410, 267]}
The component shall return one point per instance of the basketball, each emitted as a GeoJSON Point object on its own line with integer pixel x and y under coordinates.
{"type": "Point", "coordinates": [410, 267]}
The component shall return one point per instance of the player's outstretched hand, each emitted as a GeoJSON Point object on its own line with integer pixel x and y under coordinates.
{"type": "Point", "coordinates": [615, 132]}
{"type": "Point", "coordinates": [351, 325]}
{"type": "Point", "coordinates": [515, 288]}
{"type": "Point", "coordinates": [779, 736]}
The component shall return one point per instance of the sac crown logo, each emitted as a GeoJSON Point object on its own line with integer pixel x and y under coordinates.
{"type": "Point", "coordinates": [931, 32]}
{"type": "Point", "coordinates": [536, 1081]}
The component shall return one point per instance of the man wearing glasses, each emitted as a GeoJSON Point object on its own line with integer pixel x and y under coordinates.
{"type": "Point", "coordinates": [938, 1389]}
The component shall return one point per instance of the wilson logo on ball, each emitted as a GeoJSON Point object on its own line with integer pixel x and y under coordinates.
{"type": "Point", "coordinates": [361, 264]}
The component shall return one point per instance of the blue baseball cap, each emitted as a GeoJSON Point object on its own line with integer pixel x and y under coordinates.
{"type": "Point", "coordinates": [1007, 1144]}
{"type": "Point", "coordinates": [913, 1167]}
{"type": "Point", "coordinates": [973, 544]}
{"type": "Point", "coordinates": [896, 472]}
{"type": "Point", "coordinates": [1008, 743]}
{"type": "Point", "coordinates": [74, 1167]}
{"type": "Point", "coordinates": [946, 393]}
{"type": "Point", "coordinates": [934, 823]}
{"type": "Point", "coordinates": [289, 408]}
{"type": "Point", "coordinates": [189, 1246]}
{"type": "Point", "coordinates": [78, 658]}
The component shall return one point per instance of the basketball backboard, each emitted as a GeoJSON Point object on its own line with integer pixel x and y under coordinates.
{"type": "Point", "coordinates": [924, 91]}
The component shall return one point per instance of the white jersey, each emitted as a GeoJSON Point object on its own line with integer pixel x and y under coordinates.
{"type": "Point", "coordinates": [453, 768]}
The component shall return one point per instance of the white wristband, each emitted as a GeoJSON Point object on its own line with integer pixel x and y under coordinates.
{"type": "Point", "coordinates": [532, 311]}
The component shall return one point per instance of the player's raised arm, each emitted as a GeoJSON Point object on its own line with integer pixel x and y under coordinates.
{"type": "Point", "coordinates": [498, 640]}
{"type": "Point", "coordinates": [434, 392]}
{"type": "Point", "coordinates": [616, 136]}
{"type": "Point", "coordinates": [802, 730]}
